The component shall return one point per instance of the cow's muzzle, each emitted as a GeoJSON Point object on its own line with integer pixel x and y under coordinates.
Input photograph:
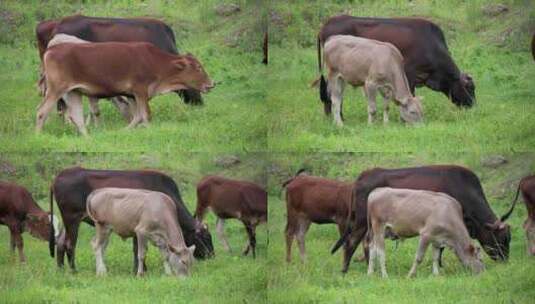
{"type": "Point", "coordinates": [207, 87]}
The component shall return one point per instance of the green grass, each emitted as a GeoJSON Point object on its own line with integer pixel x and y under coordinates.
{"type": "Point", "coordinates": [501, 120]}
{"type": "Point", "coordinates": [319, 279]}
{"type": "Point", "coordinates": [227, 278]}
{"type": "Point", "coordinates": [232, 119]}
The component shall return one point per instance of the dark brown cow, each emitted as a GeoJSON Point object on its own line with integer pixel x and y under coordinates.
{"type": "Point", "coordinates": [136, 69]}
{"type": "Point", "coordinates": [229, 198]}
{"type": "Point", "coordinates": [103, 29]}
{"type": "Point", "coordinates": [72, 186]}
{"type": "Point", "coordinates": [19, 212]}
{"type": "Point", "coordinates": [527, 187]}
{"type": "Point", "coordinates": [460, 183]}
{"type": "Point", "coordinates": [311, 199]}
{"type": "Point", "coordinates": [423, 46]}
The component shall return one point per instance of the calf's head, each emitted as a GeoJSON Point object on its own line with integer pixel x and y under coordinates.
{"type": "Point", "coordinates": [473, 259]}
{"type": "Point", "coordinates": [189, 74]}
{"type": "Point", "coordinates": [495, 240]}
{"type": "Point", "coordinates": [462, 91]}
{"type": "Point", "coordinates": [180, 260]}
{"type": "Point", "coordinates": [529, 226]}
{"type": "Point", "coordinates": [39, 225]}
{"type": "Point", "coordinates": [411, 110]}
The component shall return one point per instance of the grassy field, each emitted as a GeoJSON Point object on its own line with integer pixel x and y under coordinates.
{"type": "Point", "coordinates": [494, 50]}
{"type": "Point", "coordinates": [319, 280]}
{"type": "Point", "coordinates": [227, 278]}
{"type": "Point", "coordinates": [232, 119]}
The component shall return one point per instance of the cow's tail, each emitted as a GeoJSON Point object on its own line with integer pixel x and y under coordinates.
{"type": "Point", "coordinates": [351, 215]}
{"type": "Point", "coordinates": [324, 94]}
{"type": "Point", "coordinates": [506, 216]}
{"type": "Point", "coordinates": [52, 235]}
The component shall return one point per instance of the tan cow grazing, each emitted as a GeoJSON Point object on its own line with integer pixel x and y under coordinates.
{"type": "Point", "coordinates": [378, 66]}
{"type": "Point", "coordinates": [120, 103]}
{"type": "Point", "coordinates": [436, 217]}
{"type": "Point", "coordinates": [311, 199]}
{"type": "Point", "coordinates": [229, 198]}
{"type": "Point", "coordinates": [147, 215]}
{"type": "Point", "coordinates": [109, 69]}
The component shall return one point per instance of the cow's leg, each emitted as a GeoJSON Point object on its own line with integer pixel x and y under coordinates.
{"type": "Point", "coordinates": [99, 244]}
{"type": "Point", "coordinates": [336, 89]}
{"type": "Point", "coordinates": [135, 251]}
{"type": "Point", "coordinates": [164, 251]}
{"type": "Point", "coordinates": [422, 247]}
{"type": "Point", "coordinates": [75, 110]}
{"type": "Point", "coordinates": [141, 251]}
{"type": "Point", "coordinates": [372, 256]}
{"type": "Point", "coordinates": [45, 107]}
{"type": "Point", "coordinates": [370, 89]}
{"type": "Point", "coordinates": [386, 108]}
{"type": "Point", "coordinates": [290, 234]}
{"type": "Point", "coordinates": [440, 256]}
{"type": "Point", "coordinates": [304, 224]}
{"type": "Point", "coordinates": [143, 109]}
{"type": "Point", "coordinates": [436, 257]}
{"type": "Point", "coordinates": [15, 230]}
{"type": "Point", "coordinates": [251, 234]}
{"type": "Point", "coordinates": [94, 110]}
{"type": "Point", "coordinates": [220, 230]}
{"type": "Point", "coordinates": [12, 244]}
{"type": "Point", "coordinates": [71, 237]}
{"type": "Point", "coordinates": [353, 241]}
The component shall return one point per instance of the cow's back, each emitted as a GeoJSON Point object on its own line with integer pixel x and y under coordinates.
{"type": "Point", "coordinates": [100, 29]}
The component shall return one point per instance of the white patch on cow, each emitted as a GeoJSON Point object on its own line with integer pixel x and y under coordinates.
{"type": "Point", "coordinates": [55, 224]}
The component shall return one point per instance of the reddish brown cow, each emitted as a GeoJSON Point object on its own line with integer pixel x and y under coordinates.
{"type": "Point", "coordinates": [19, 212]}
{"type": "Point", "coordinates": [229, 198]}
{"type": "Point", "coordinates": [137, 69]}
{"type": "Point", "coordinates": [527, 187]}
{"type": "Point", "coordinates": [311, 199]}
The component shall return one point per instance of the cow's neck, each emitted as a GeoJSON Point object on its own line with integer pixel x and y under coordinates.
{"type": "Point", "coordinates": [401, 92]}
{"type": "Point", "coordinates": [176, 239]}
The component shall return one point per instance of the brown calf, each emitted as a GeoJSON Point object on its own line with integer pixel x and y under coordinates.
{"type": "Point", "coordinates": [19, 212]}
{"type": "Point", "coordinates": [138, 70]}
{"type": "Point", "coordinates": [229, 198]}
{"type": "Point", "coordinates": [311, 199]}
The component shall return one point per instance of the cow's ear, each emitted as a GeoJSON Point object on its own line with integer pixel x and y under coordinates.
{"type": "Point", "coordinates": [191, 249]}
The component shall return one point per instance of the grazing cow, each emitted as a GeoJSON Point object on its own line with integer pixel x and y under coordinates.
{"type": "Point", "coordinates": [423, 46]}
{"type": "Point", "coordinates": [311, 199]}
{"type": "Point", "coordinates": [265, 48]}
{"type": "Point", "coordinates": [378, 66]}
{"type": "Point", "coordinates": [229, 198]}
{"type": "Point", "coordinates": [138, 70]}
{"type": "Point", "coordinates": [19, 212]}
{"type": "Point", "coordinates": [103, 29]}
{"type": "Point", "coordinates": [458, 182]}
{"type": "Point", "coordinates": [436, 217]}
{"type": "Point", "coordinates": [146, 215]}
{"type": "Point", "coordinates": [120, 103]}
{"type": "Point", "coordinates": [72, 186]}
{"type": "Point", "coordinates": [527, 187]}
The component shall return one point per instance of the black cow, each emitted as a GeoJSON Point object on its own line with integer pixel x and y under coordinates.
{"type": "Point", "coordinates": [422, 43]}
{"type": "Point", "coordinates": [72, 186]}
{"type": "Point", "coordinates": [458, 182]}
{"type": "Point", "coordinates": [97, 29]}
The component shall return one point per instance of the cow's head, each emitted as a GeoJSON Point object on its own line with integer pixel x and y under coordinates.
{"type": "Point", "coordinates": [411, 110]}
{"type": "Point", "coordinates": [203, 241]}
{"type": "Point", "coordinates": [495, 238]}
{"type": "Point", "coordinates": [180, 260]}
{"type": "Point", "coordinates": [529, 226]}
{"type": "Point", "coordinates": [189, 74]}
{"type": "Point", "coordinates": [39, 225]}
{"type": "Point", "coordinates": [463, 91]}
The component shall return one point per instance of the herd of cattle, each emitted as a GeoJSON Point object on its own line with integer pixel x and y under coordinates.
{"type": "Point", "coordinates": [144, 205]}
{"type": "Point", "coordinates": [443, 204]}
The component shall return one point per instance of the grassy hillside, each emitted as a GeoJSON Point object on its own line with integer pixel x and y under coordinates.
{"type": "Point", "coordinates": [319, 280]}
{"type": "Point", "coordinates": [227, 278]}
{"type": "Point", "coordinates": [232, 119]}
{"type": "Point", "coordinates": [494, 50]}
